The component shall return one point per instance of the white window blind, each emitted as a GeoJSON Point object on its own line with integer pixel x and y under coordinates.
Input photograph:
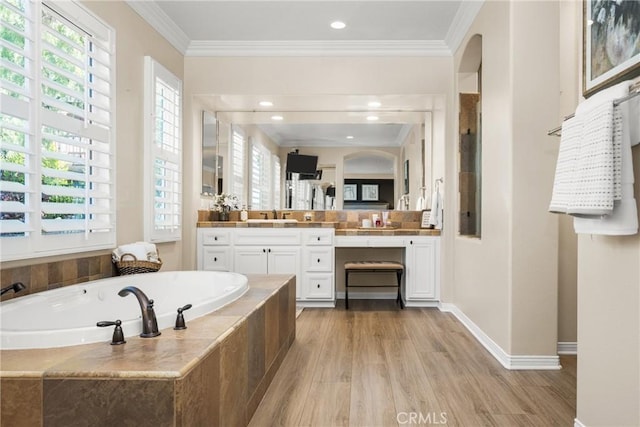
{"type": "Point", "coordinates": [260, 178]}
{"type": "Point", "coordinates": [57, 103]}
{"type": "Point", "coordinates": [276, 180]}
{"type": "Point", "coordinates": [238, 144]}
{"type": "Point", "coordinates": [163, 153]}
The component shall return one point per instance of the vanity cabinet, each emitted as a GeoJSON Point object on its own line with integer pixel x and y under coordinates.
{"type": "Point", "coordinates": [306, 252]}
{"type": "Point", "coordinates": [422, 258]}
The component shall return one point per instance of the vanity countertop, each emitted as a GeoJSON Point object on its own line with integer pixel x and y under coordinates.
{"type": "Point", "coordinates": [340, 231]}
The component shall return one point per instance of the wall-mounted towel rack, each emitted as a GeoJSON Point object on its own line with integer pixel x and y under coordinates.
{"type": "Point", "coordinates": [635, 91]}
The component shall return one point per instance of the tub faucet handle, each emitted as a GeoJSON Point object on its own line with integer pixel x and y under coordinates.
{"type": "Point", "coordinates": [180, 324]}
{"type": "Point", "coordinates": [118, 335]}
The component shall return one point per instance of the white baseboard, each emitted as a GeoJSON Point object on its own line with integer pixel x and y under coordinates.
{"type": "Point", "coordinates": [507, 360]}
{"type": "Point", "coordinates": [568, 348]}
{"type": "Point", "coordinates": [577, 423]}
{"type": "Point", "coordinates": [316, 304]}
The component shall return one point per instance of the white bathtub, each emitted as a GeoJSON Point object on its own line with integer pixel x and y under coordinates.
{"type": "Point", "coordinates": [68, 316]}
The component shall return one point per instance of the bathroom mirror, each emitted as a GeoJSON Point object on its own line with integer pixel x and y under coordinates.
{"type": "Point", "coordinates": [311, 125]}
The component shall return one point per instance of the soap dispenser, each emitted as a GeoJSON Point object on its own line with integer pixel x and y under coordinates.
{"type": "Point", "coordinates": [244, 215]}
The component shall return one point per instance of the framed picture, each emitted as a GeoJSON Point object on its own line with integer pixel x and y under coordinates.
{"type": "Point", "coordinates": [426, 216]}
{"type": "Point", "coordinates": [370, 192]}
{"type": "Point", "coordinates": [611, 52]}
{"type": "Point", "coordinates": [350, 192]}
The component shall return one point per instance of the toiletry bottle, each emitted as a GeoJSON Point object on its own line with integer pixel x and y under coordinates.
{"type": "Point", "coordinates": [378, 222]}
{"type": "Point", "coordinates": [244, 215]}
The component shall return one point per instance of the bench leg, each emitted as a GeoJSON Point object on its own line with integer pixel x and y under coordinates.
{"type": "Point", "coordinates": [399, 299]}
{"type": "Point", "coordinates": [346, 289]}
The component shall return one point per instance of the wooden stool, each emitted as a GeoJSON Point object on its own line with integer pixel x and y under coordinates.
{"type": "Point", "coordinates": [373, 267]}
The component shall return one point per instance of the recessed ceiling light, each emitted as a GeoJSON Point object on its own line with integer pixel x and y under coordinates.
{"type": "Point", "coordinates": [266, 104]}
{"type": "Point", "coordinates": [338, 25]}
{"type": "Point", "coordinates": [277, 117]}
{"type": "Point", "coordinates": [374, 104]}
{"type": "Point", "coordinates": [372, 118]}
{"type": "Point", "coordinates": [349, 136]}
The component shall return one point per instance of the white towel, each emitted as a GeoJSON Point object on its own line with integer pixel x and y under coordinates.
{"type": "Point", "coordinates": [587, 166]}
{"type": "Point", "coordinates": [143, 251]}
{"type": "Point", "coordinates": [623, 220]}
{"type": "Point", "coordinates": [567, 158]}
{"type": "Point", "coordinates": [435, 218]}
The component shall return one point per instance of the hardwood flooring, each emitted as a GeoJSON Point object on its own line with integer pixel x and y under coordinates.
{"type": "Point", "coordinates": [376, 365]}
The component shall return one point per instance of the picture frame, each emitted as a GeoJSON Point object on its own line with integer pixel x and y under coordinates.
{"type": "Point", "coordinates": [350, 192]}
{"type": "Point", "coordinates": [370, 192]}
{"type": "Point", "coordinates": [609, 56]}
{"type": "Point", "coordinates": [426, 216]}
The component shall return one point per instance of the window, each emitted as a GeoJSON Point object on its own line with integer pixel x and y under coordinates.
{"type": "Point", "coordinates": [56, 121]}
{"type": "Point", "coordinates": [260, 174]}
{"type": "Point", "coordinates": [276, 180]}
{"type": "Point", "coordinates": [163, 154]}
{"type": "Point", "coordinates": [237, 162]}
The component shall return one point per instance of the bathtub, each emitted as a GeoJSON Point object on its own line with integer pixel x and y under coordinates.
{"type": "Point", "coordinates": [68, 316]}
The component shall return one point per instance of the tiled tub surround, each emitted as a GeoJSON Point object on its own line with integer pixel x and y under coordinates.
{"type": "Point", "coordinates": [213, 373]}
{"type": "Point", "coordinates": [51, 275]}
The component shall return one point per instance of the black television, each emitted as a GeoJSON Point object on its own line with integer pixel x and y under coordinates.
{"type": "Point", "coordinates": [300, 163]}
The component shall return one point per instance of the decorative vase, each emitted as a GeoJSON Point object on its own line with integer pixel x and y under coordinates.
{"type": "Point", "coordinates": [224, 213]}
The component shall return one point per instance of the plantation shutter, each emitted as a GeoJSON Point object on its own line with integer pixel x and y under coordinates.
{"type": "Point", "coordinates": [276, 180]}
{"type": "Point", "coordinates": [260, 174]}
{"type": "Point", "coordinates": [57, 130]}
{"type": "Point", "coordinates": [163, 154]}
{"type": "Point", "coordinates": [237, 162]}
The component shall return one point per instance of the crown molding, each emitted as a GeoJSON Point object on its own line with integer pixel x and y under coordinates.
{"type": "Point", "coordinates": [160, 21]}
{"type": "Point", "coordinates": [319, 48]}
{"type": "Point", "coordinates": [461, 23]}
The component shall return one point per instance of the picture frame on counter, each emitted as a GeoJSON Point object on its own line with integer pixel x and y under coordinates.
{"type": "Point", "coordinates": [426, 216]}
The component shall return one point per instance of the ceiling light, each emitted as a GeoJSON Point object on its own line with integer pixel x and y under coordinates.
{"type": "Point", "coordinates": [374, 104]}
{"type": "Point", "coordinates": [349, 136]}
{"type": "Point", "coordinates": [372, 118]}
{"type": "Point", "coordinates": [266, 104]}
{"type": "Point", "coordinates": [277, 118]}
{"type": "Point", "coordinates": [338, 25]}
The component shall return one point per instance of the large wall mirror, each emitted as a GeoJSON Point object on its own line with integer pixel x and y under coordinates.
{"type": "Point", "coordinates": [361, 145]}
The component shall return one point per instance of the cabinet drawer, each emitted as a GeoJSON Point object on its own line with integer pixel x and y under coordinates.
{"type": "Point", "coordinates": [267, 236]}
{"type": "Point", "coordinates": [216, 237]}
{"type": "Point", "coordinates": [319, 286]}
{"type": "Point", "coordinates": [318, 259]}
{"type": "Point", "coordinates": [214, 258]}
{"type": "Point", "coordinates": [318, 237]}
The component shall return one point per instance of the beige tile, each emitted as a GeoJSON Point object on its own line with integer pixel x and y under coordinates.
{"type": "Point", "coordinates": [198, 394]}
{"type": "Point", "coordinates": [39, 278]}
{"type": "Point", "coordinates": [233, 378]}
{"type": "Point", "coordinates": [271, 329]}
{"type": "Point", "coordinates": [108, 403]}
{"type": "Point", "coordinates": [21, 403]}
{"type": "Point", "coordinates": [255, 349]}
{"type": "Point", "coordinates": [69, 270]}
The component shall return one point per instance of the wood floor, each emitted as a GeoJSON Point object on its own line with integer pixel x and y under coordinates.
{"type": "Point", "coordinates": [375, 365]}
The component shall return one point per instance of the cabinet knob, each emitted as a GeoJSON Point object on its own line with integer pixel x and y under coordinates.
{"type": "Point", "coordinates": [215, 238]}
{"type": "Point", "coordinates": [318, 238]}
{"type": "Point", "coordinates": [318, 285]}
{"type": "Point", "coordinates": [411, 242]}
{"type": "Point", "coordinates": [264, 250]}
{"type": "Point", "coordinates": [318, 259]}
{"type": "Point", "coordinates": [215, 259]}
{"type": "Point", "coordinates": [269, 250]}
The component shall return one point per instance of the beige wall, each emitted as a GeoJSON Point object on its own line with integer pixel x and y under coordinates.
{"type": "Point", "coordinates": [512, 294]}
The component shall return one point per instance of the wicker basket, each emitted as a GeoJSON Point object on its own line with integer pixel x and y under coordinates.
{"type": "Point", "coordinates": [134, 266]}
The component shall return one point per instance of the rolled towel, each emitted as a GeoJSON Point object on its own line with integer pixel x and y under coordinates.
{"type": "Point", "coordinates": [136, 249]}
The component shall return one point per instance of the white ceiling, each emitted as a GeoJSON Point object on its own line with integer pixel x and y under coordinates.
{"type": "Point", "coordinates": [301, 27]}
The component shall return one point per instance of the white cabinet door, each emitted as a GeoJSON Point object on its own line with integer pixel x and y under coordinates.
{"type": "Point", "coordinates": [250, 260]}
{"type": "Point", "coordinates": [217, 258]}
{"type": "Point", "coordinates": [283, 260]}
{"type": "Point", "coordinates": [421, 269]}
